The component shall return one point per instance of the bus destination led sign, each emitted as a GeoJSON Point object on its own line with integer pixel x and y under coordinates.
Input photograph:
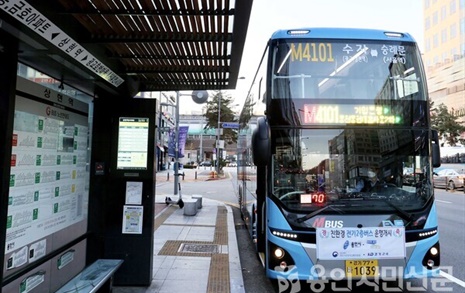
{"type": "Point", "coordinates": [348, 114]}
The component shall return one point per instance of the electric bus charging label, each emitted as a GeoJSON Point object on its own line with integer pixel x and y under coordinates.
{"type": "Point", "coordinates": [360, 243]}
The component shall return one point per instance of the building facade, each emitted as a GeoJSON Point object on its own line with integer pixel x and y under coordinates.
{"type": "Point", "coordinates": [201, 143]}
{"type": "Point", "coordinates": [444, 53]}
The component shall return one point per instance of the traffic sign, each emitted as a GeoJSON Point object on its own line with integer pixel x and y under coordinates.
{"type": "Point", "coordinates": [230, 125]}
{"type": "Point", "coordinates": [220, 144]}
{"type": "Point", "coordinates": [164, 129]}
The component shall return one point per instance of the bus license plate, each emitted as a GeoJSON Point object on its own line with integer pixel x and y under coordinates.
{"type": "Point", "coordinates": [362, 268]}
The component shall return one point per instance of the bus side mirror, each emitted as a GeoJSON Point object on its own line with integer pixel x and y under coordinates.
{"type": "Point", "coordinates": [261, 145]}
{"type": "Point", "coordinates": [436, 153]}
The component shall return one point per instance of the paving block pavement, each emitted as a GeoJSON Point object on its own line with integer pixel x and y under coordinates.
{"type": "Point", "coordinates": [196, 254]}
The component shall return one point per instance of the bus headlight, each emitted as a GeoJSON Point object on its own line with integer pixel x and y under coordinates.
{"type": "Point", "coordinates": [278, 253]}
{"type": "Point", "coordinates": [432, 257]}
{"type": "Point", "coordinates": [279, 259]}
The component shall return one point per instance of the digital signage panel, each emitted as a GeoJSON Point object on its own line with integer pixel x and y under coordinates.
{"type": "Point", "coordinates": [133, 137]}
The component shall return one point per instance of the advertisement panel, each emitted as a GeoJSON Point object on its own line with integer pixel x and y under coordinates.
{"type": "Point", "coordinates": [181, 141]}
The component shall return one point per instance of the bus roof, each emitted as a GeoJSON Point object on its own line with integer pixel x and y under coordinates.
{"type": "Point", "coordinates": [342, 33]}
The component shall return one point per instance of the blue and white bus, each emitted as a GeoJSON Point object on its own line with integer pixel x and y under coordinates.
{"type": "Point", "coordinates": [335, 157]}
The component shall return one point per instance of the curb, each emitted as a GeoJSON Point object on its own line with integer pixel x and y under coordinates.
{"type": "Point", "coordinates": [235, 268]}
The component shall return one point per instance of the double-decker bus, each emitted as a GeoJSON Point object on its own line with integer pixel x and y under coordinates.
{"type": "Point", "coordinates": [335, 157]}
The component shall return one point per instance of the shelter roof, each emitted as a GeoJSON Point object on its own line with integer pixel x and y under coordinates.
{"type": "Point", "coordinates": [135, 45]}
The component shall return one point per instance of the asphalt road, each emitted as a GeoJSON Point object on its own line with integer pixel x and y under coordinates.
{"type": "Point", "coordinates": [252, 270]}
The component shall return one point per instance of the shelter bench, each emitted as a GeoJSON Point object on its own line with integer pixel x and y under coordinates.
{"type": "Point", "coordinates": [94, 277]}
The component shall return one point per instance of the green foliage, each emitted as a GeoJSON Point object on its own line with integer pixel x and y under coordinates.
{"type": "Point", "coordinates": [247, 111]}
{"type": "Point", "coordinates": [223, 163]}
{"type": "Point", "coordinates": [226, 113]}
{"type": "Point", "coordinates": [447, 124]}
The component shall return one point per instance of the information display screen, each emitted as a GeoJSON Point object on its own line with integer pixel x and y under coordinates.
{"type": "Point", "coordinates": [133, 137]}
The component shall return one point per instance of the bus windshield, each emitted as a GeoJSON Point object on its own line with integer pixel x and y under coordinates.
{"type": "Point", "coordinates": [360, 169]}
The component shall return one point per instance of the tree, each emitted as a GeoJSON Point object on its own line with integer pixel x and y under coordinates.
{"type": "Point", "coordinates": [247, 111]}
{"type": "Point", "coordinates": [447, 124]}
{"type": "Point", "coordinates": [226, 115]}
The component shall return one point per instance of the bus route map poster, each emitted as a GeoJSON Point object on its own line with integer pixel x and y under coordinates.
{"type": "Point", "coordinates": [49, 178]}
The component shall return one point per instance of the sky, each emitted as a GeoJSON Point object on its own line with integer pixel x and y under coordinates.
{"type": "Point", "coordinates": [267, 16]}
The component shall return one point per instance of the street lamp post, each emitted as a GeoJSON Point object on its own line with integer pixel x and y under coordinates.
{"type": "Point", "coordinates": [198, 97]}
{"type": "Point", "coordinates": [218, 137]}
{"type": "Point", "coordinates": [159, 137]}
{"type": "Point", "coordinates": [176, 142]}
{"type": "Point", "coordinates": [176, 148]}
{"type": "Point", "coordinates": [201, 136]}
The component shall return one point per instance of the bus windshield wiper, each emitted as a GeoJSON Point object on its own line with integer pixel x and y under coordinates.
{"type": "Point", "coordinates": [403, 214]}
{"type": "Point", "coordinates": [308, 216]}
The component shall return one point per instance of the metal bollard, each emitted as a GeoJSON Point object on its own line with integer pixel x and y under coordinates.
{"type": "Point", "coordinates": [168, 176]}
{"type": "Point", "coordinates": [195, 175]}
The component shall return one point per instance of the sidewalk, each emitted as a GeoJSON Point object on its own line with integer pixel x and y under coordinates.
{"type": "Point", "coordinates": [199, 174]}
{"type": "Point", "coordinates": [196, 254]}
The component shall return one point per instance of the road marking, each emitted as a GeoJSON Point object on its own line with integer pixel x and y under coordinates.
{"type": "Point", "coordinates": [452, 278]}
{"type": "Point", "coordinates": [443, 201]}
{"type": "Point", "coordinates": [231, 204]}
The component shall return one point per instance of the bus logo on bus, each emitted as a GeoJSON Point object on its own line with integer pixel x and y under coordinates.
{"type": "Point", "coordinates": [323, 223]}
